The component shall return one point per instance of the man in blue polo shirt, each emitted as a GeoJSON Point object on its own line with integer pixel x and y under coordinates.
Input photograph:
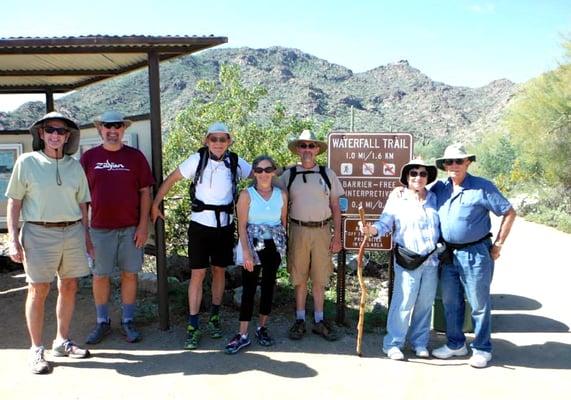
{"type": "Point", "coordinates": [464, 203]}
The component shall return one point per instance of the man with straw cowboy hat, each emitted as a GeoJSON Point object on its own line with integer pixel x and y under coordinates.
{"type": "Point", "coordinates": [464, 203]}
{"type": "Point", "coordinates": [49, 191]}
{"type": "Point", "coordinates": [120, 182]}
{"type": "Point", "coordinates": [313, 211]}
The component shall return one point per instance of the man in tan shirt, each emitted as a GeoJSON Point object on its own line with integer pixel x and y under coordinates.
{"type": "Point", "coordinates": [314, 230]}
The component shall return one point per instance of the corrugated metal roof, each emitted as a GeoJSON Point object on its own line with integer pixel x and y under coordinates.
{"type": "Point", "coordinates": [61, 64]}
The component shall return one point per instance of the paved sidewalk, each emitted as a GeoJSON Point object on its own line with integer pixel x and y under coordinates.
{"type": "Point", "coordinates": [532, 354]}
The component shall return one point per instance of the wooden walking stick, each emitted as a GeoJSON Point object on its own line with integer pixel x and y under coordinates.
{"type": "Point", "coordinates": [361, 285]}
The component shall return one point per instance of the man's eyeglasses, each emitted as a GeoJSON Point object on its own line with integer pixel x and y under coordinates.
{"type": "Point", "coordinates": [53, 129]}
{"type": "Point", "coordinates": [307, 145]}
{"type": "Point", "coordinates": [220, 139]}
{"type": "Point", "coordinates": [458, 161]}
{"type": "Point", "coordinates": [116, 125]}
{"type": "Point", "coordinates": [267, 170]}
{"type": "Point", "coordinates": [414, 174]}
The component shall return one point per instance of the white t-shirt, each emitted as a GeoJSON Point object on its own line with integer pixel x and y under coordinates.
{"type": "Point", "coordinates": [214, 186]}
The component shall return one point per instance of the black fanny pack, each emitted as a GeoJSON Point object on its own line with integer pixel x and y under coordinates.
{"type": "Point", "coordinates": [408, 259]}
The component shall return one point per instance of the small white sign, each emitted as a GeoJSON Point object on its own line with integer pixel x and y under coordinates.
{"type": "Point", "coordinates": [389, 169]}
{"type": "Point", "coordinates": [346, 168]}
{"type": "Point", "coordinates": [368, 168]}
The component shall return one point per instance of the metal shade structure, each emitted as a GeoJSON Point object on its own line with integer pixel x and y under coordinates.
{"type": "Point", "coordinates": [63, 64]}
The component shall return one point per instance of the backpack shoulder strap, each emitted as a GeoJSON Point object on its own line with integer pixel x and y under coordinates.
{"type": "Point", "coordinates": [323, 173]}
{"type": "Point", "coordinates": [234, 172]}
{"type": "Point", "coordinates": [203, 153]}
{"type": "Point", "coordinates": [292, 174]}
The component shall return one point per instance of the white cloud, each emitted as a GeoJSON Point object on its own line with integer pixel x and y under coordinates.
{"type": "Point", "coordinates": [487, 8]}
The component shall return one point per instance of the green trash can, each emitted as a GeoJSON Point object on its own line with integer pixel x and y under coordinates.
{"type": "Point", "coordinates": [439, 321]}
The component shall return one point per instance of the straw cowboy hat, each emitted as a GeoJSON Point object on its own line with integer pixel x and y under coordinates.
{"type": "Point", "coordinates": [72, 144]}
{"type": "Point", "coordinates": [452, 152]}
{"type": "Point", "coordinates": [307, 136]}
{"type": "Point", "coordinates": [112, 116]}
{"type": "Point", "coordinates": [418, 162]}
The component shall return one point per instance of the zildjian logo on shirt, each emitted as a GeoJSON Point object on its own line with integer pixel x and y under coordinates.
{"type": "Point", "coordinates": [110, 166]}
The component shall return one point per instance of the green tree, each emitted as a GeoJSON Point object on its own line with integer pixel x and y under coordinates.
{"type": "Point", "coordinates": [498, 160]}
{"type": "Point", "coordinates": [539, 122]}
{"type": "Point", "coordinates": [227, 100]}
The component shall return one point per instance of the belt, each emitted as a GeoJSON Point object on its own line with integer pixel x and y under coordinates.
{"type": "Point", "coordinates": [311, 224]}
{"type": "Point", "coordinates": [62, 224]}
{"type": "Point", "coordinates": [460, 246]}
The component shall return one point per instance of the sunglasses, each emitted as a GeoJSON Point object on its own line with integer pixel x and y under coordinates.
{"type": "Point", "coordinates": [216, 139]}
{"type": "Point", "coordinates": [116, 125]}
{"type": "Point", "coordinates": [267, 170]}
{"type": "Point", "coordinates": [307, 145]}
{"type": "Point", "coordinates": [414, 174]}
{"type": "Point", "coordinates": [53, 129]}
{"type": "Point", "coordinates": [458, 161]}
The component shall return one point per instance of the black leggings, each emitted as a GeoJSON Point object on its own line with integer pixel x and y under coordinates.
{"type": "Point", "coordinates": [270, 262]}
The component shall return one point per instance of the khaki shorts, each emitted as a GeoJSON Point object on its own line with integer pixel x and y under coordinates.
{"type": "Point", "coordinates": [308, 255]}
{"type": "Point", "coordinates": [53, 251]}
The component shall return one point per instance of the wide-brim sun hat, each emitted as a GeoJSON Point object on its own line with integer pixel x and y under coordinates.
{"type": "Point", "coordinates": [452, 152]}
{"type": "Point", "coordinates": [72, 144]}
{"type": "Point", "coordinates": [307, 136]}
{"type": "Point", "coordinates": [218, 127]}
{"type": "Point", "coordinates": [418, 162]}
{"type": "Point", "coordinates": [112, 116]}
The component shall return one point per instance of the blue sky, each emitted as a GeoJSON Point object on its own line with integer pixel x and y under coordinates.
{"type": "Point", "coordinates": [463, 42]}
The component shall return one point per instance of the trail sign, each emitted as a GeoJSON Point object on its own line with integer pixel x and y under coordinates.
{"type": "Point", "coordinates": [353, 237]}
{"type": "Point", "coordinates": [368, 166]}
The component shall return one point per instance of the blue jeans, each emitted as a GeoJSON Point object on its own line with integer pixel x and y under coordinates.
{"type": "Point", "coordinates": [470, 275]}
{"type": "Point", "coordinates": [411, 306]}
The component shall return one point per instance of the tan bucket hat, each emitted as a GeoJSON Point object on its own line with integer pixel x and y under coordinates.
{"type": "Point", "coordinates": [72, 144]}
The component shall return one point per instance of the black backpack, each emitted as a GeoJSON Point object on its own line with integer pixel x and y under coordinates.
{"type": "Point", "coordinates": [230, 161]}
{"type": "Point", "coordinates": [293, 172]}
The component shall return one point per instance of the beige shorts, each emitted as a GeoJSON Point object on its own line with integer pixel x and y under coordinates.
{"type": "Point", "coordinates": [308, 255]}
{"type": "Point", "coordinates": [53, 251]}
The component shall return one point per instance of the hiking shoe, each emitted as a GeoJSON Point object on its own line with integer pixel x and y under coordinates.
{"type": "Point", "coordinates": [394, 353]}
{"type": "Point", "coordinates": [68, 348]}
{"type": "Point", "coordinates": [101, 330]}
{"type": "Point", "coordinates": [446, 352]}
{"type": "Point", "coordinates": [324, 329]}
{"type": "Point", "coordinates": [236, 343]}
{"type": "Point", "coordinates": [131, 334]}
{"type": "Point", "coordinates": [480, 358]}
{"type": "Point", "coordinates": [214, 328]}
{"type": "Point", "coordinates": [263, 336]}
{"type": "Point", "coordinates": [193, 336]}
{"type": "Point", "coordinates": [38, 363]}
{"type": "Point", "coordinates": [422, 352]}
{"type": "Point", "coordinates": [297, 330]}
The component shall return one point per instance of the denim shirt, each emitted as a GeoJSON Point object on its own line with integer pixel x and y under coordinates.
{"type": "Point", "coordinates": [414, 224]}
{"type": "Point", "coordinates": [262, 231]}
{"type": "Point", "coordinates": [465, 214]}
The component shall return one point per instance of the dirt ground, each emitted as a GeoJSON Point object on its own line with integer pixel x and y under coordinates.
{"type": "Point", "coordinates": [531, 338]}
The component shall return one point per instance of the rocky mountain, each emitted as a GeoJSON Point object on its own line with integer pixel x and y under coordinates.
{"type": "Point", "coordinates": [393, 97]}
